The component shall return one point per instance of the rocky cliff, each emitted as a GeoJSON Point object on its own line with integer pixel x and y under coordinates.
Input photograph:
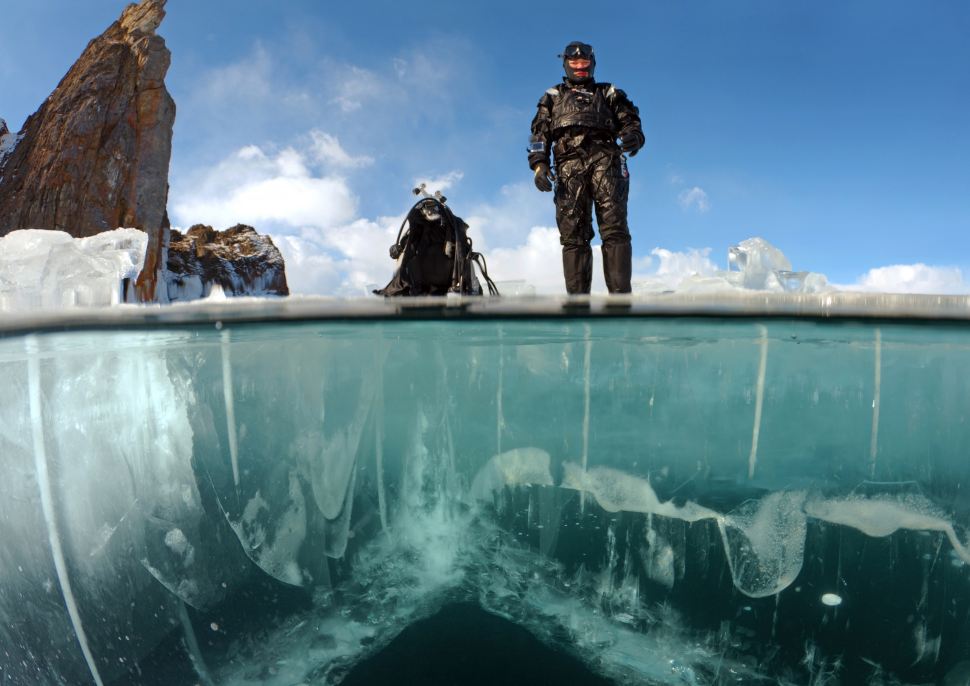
{"type": "Point", "coordinates": [238, 260]}
{"type": "Point", "coordinates": [95, 157]}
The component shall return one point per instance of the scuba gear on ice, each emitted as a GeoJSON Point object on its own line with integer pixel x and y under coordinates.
{"type": "Point", "coordinates": [434, 254]}
{"type": "Point", "coordinates": [543, 177]}
{"type": "Point", "coordinates": [578, 51]}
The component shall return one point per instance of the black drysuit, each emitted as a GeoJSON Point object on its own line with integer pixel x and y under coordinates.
{"type": "Point", "coordinates": [579, 124]}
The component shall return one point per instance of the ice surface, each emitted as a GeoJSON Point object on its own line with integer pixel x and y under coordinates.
{"type": "Point", "coordinates": [42, 269]}
{"type": "Point", "coordinates": [375, 471]}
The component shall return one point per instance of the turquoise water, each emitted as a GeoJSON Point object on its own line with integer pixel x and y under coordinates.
{"type": "Point", "coordinates": [681, 500]}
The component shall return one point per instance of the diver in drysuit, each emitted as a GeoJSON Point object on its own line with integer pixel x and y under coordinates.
{"type": "Point", "coordinates": [579, 122]}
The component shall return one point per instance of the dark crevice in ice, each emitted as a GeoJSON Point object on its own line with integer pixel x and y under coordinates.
{"type": "Point", "coordinates": [464, 644]}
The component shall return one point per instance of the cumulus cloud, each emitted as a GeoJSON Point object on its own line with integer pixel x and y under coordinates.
{"type": "Point", "coordinates": [913, 278]}
{"type": "Point", "coordinates": [694, 199]}
{"type": "Point", "coordinates": [505, 221]}
{"type": "Point", "coordinates": [350, 259]}
{"type": "Point", "coordinates": [536, 261]}
{"type": "Point", "coordinates": [253, 187]}
{"type": "Point", "coordinates": [311, 213]}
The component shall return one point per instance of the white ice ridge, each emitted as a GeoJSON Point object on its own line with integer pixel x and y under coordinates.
{"type": "Point", "coordinates": [227, 394]}
{"type": "Point", "coordinates": [522, 466]}
{"type": "Point", "coordinates": [52, 270]}
{"type": "Point", "coordinates": [47, 504]}
{"type": "Point", "coordinates": [765, 539]}
{"type": "Point", "coordinates": [753, 264]}
{"type": "Point", "coordinates": [275, 548]}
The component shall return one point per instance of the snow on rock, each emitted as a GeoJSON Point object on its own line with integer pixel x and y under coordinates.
{"type": "Point", "coordinates": [51, 270]}
{"type": "Point", "coordinates": [237, 261]}
{"type": "Point", "coordinates": [7, 143]}
{"type": "Point", "coordinates": [48, 270]}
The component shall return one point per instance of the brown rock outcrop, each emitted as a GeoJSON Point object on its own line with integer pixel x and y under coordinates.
{"type": "Point", "coordinates": [95, 156]}
{"type": "Point", "coordinates": [239, 260]}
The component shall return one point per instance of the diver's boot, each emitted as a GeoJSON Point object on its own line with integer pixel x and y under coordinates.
{"type": "Point", "coordinates": [617, 266]}
{"type": "Point", "coordinates": [577, 267]}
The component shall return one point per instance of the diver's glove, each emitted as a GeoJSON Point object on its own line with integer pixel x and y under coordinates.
{"type": "Point", "coordinates": [631, 142]}
{"type": "Point", "coordinates": [543, 177]}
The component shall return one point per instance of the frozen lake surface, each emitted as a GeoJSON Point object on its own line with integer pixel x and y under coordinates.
{"type": "Point", "coordinates": [737, 488]}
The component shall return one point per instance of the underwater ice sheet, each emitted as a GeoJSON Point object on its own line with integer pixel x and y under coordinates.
{"type": "Point", "coordinates": [222, 496]}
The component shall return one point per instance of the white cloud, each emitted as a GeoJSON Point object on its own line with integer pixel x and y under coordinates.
{"type": "Point", "coordinates": [913, 278]}
{"type": "Point", "coordinates": [326, 149]}
{"type": "Point", "coordinates": [440, 183]}
{"type": "Point", "coordinates": [537, 261]}
{"type": "Point", "coordinates": [504, 222]}
{"type": "Point", "coordinates": [308, 268]}
{"type": "Point", "coordinates": [252, 187]}
{"type": "Point", "coordinates": [694, 198]}
{"type": "Point", "coordinates": [355, 87]}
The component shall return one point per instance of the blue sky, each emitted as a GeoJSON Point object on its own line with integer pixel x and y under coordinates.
{"type": "Point", "coordinates": [838, 131]}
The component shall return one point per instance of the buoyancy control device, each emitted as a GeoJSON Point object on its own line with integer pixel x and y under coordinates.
{"type": "Point", "coordinates": [434, 253]}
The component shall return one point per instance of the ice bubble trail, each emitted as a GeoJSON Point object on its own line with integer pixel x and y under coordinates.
{"type": "Point", "coordinates": [47, 502]}
{"type": "Point", "coordinates": [230, 405]}
{"type": "Point", "coordinates": [876, 393]}
{"type": "Point", "coordinates": [759, 401]}
{"type": "Point", "coordinates": [516, 467]}
{"type": "Point", "coordinates": [765, 539]}
{"type": "Point", "coordinates": [880, 517]}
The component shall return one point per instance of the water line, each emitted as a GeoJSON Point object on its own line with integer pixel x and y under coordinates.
{"type": "Point", "coordinates": [230, 405]}
{"type": "Point", "coordinates": [877, 392]}
{"type": "Point", "coordinates": [587, 355]}
{"type": "Point", "coordinates": [47, 503]}
{"type": "Point", "coordinates": [759, 401]}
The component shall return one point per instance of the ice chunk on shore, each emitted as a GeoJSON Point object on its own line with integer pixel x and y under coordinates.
{"type": "Point", "coordinates": [50, 269]}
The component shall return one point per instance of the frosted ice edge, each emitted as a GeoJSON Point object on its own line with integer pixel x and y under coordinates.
{"type": "Point", "coordinates": [765, 539]}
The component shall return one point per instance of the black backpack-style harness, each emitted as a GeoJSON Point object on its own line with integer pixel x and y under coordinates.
{"type": "Point", "coordinates": [434, 255]}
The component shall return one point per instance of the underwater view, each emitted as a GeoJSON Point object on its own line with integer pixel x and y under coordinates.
{"type": "Point", "coordinates": [436, 494]}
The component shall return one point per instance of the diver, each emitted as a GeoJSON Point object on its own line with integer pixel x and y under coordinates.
{"type": "Point", "coordinates": [579, 121]}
